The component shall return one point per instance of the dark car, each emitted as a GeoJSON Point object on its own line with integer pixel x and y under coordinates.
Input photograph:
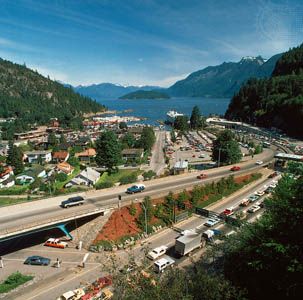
{"type": "Point", "coordinates": [235, 168]}
{"type": "Point", "coordinates": [78, 200]}
{"type": "Point", "coordinates": [37, 260]}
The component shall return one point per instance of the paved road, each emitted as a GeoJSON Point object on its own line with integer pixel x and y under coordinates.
{"type": "Point", "coordinates": [68, 277]}
{"type": "Point", "coordinates": [14, 217]}
{"type": "Point", "coordinates": [157, 162]}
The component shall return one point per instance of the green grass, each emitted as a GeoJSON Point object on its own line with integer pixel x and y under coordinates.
{"type": "Point", "coordinates": [14, 190]}
{"type": "Point", "coordinates": [10, 201]}
{"type": "Point", "coordinates": [59, 185]}
{"type": "Point", "coordinates": [13, 281]}
{"type": "Point", "coordinates": [115, 177]}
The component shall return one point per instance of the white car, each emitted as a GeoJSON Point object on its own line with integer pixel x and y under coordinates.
{"type": "Point", "coordinates": [157, 252]}
{"type": "Point", "coordinates": [259, 162]}
{"type": "Point", "coordinates": [212, 222]}
{"type": "Point", "coordinates": [260, 193]}
{"type": "Point", "coordinates": [254, 208]}
{"type": "Point", "coordinates": [161, 264]}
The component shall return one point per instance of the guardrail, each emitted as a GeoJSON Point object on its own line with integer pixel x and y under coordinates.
{"type": "Point", "coordinates": [38, 225]}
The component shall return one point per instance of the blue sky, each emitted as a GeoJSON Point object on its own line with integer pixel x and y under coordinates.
{"type": "Point", "coordinates": [141, 42]}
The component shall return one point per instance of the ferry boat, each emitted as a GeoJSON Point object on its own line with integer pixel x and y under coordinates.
{"type": "Point", "coordinates": [172, 114]}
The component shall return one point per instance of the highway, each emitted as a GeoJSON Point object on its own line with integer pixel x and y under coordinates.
{"type": "Point", "coordinates": [17, 216]}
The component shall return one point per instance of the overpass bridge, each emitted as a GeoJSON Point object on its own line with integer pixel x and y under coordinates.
{"type": "Point", "coordinates": [59, 222]}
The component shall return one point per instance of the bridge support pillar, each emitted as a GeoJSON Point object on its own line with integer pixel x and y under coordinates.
{"type": "Point", "coordinates": [65, 231]}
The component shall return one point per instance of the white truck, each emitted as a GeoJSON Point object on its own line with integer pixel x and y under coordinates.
{"type": "Point", "coordinates": [161, 264]}
{"type": "Point", "coordinates": [187, 243]}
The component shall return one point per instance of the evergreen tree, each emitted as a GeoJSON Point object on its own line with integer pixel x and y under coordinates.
{"type": "Point", "coordinates": [52, 139]}
{"type": "Point", "coordinates": [15, 158]}
{"type": "Point", "coordinates": [128, 140]}
{"type": "Point", "coordinates": [62, 139]}
{"type": "Point", "coordinates": [108, 150]}
{"type": "Point", "coordinates": [195, 119]}
{"type": "Point", "coordinates": [181, 123]}
{"type": "Point", "coordinates": [147, 138]}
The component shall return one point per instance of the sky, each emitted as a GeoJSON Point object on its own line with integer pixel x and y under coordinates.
{"type": "Point", "coordinates": [143, 42]}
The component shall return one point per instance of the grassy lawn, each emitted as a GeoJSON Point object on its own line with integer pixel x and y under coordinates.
{"type": "Point", "coordinates": [59, 185]}
{"type": "Point", "coordinates": [14, 190]}
{"type": "Point", "coordinates": [115, 177]}
{"type": "Point", "coordinates": [10, 201]}
{"type": "Point", "coordinates": [13, 281]}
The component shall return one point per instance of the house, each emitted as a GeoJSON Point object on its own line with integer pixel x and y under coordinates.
{"type": "Point", "coordinates": [87, 177]}
{"type": "Point", "coordinates": [82, 141]}
{"type": "Point", "coordinates": [29, 175]}
{"type": "Point", "coordinates": [60, 156]}
{"type": "Point", "coordinates": [38, 156]}
{"type": "Point", "coordinates": [65, 167]}
{"type": "Point", "coordinates": [87, 155]}
{"type": "Point", "coordinates": [6, 178]}
{"type": "Point", "coordinates": [132, 154]}
{"type": "Point", "coordinates": [180, 167]}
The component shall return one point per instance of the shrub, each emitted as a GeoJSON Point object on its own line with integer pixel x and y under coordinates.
{"type": "Point", "coordinates": [128, 178]}
{"type": "Point", "coordinates": [61, 177]}
{"type": "Point", "coordinates": [149, 174]}
{"type": "Point", "coordinates": [104, 185]}
{"type": "Point", "coordinates": [14, 280]}
{"type": "Point", "coordinates": [132, 209]}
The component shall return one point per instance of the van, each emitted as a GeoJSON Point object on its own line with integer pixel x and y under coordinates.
{"type": "Point", "coordinates": [161, 264]}
{"type": "Point", "coordinates": [73, 201]}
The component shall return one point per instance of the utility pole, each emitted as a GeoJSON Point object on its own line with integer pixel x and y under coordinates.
{"type": "Point", "coordinates": [119, 201]}
{"type": "Point", "coordinates": [219, 157]}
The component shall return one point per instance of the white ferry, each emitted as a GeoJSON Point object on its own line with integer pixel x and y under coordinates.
{"type": "Point", "coordinates": [172, 114]}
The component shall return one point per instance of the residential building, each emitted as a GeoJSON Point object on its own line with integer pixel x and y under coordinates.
{"type": "Point", "coordinates": [64, 167]}
{"type": "Point", "coordinates": [87, 155]}
{"type": "Point", "coordinates": [6, 178]}
{"type": "Point", "coordinates": [38, 156]}
{"type": "Point", "coordinates": [87, 177]}
{"type": "Point", "coordinates": [60, 156]}
{"type": "Point", "coordinates": [132, 154]}
{"type": "Point", "coordinates": [30, 174]}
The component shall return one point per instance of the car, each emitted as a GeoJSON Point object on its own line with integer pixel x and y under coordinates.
{"type": "Point", "coordinates": [253, 198]}
{"type": "Point", "coordinates": [55, 243]}
{"type": "Point", "coordinates": [228, 211]}
{"type": "Point", "coordinates": [260, 193]}
{"type": "Point", "coordinates": [254, 208]}
{"type": "Point", "coordinates": [163, 263]}
{"type": "Point", "coordinates": [260, 203]}
{"type": "Point", "coordinates": [137, 188]}
{"type": "Point", "coordinates": [157, 252]}
{"type": "Point", "coordinates": [244, 202]}
{"type": "Point", "coordinates": [273, 185]}
{"type": "Point", "coordinates": [269, 190]}
{"type": "Point", "coordinates": [272, 175]}
{"type": "Point", "coordinates": [211, 222]}
{"type": "Point", "coordinates": [202, 176]}
{"type": "Point", "coordinates": [73, 201]}
{"type": "Point", "coordinates": [37, 260]}
{"type": "Point", "coordinates": [202, 156]}
{"type": "Point", "coordinates": [72, 295]}
{"type": "Point", "coordinates": [235, 168]}
{"type": "Point", "coordinates": [106, 294]}
{"type": "Point", "coordinates": [259, 162]}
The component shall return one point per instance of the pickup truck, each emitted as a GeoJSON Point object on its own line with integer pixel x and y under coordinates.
{"type": "Point", "coordinates": [163, 263]}
{"type": "Point", "coordinates": [135, 189]}
{"type": "Point", "coordinates": [55, 243]}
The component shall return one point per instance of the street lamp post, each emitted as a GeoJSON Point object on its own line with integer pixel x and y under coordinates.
{"type": "Point", "coordinates": [219, 157]}
{"type": "Point", "coordinates": [145, 215]}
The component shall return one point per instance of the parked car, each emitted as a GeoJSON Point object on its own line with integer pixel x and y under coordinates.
{"type": "Point", "coordinates": [228, 211]}
{"type": "Point", "coordinates": [157, 252]}
{"type": "Point", "coordinates": [163, 263]}
{"type": "Point", "coordinates": [253, 198]}
{"type": "Point", "coordinates": [37, 260]}
{"type": "Point", "coordinates": [135, 189]}
{"type": "Point", "coordinates": [235, 168]}
{"type": "Point", "coordinates": [72, 295]}
{"type": "Point", "coordinates": [254, 208]}
{"type": "Point", "coordinates": [56, 243]}
{"type": "Point", "coordinates": [260, 193]}
{"type": "Point", "coordinates": [272, 175]}
{"type": "Point", "coordinates": [73, 201]}
{"type": "Point", "coordinates": [202, 176]}
{"type": "Point", "coordinates": [259, 162]}
{"type": "Point", "coordinates": [211, 222]}
{"type": "Point", "coordinates": [244, 202]}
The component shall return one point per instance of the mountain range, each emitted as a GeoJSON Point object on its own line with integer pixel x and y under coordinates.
{"type": "Point", "coordinates": [221, 81]}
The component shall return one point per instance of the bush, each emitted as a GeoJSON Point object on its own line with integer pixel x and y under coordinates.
{"type": "Point", "coordinates": [149, 174]}
{"type": "Point", "coordinates": [104, 185]}
{"type": "Point", "coordinates": [132, 209]}
{"type": "Point", "coordinates": [128, 178]}
{"type": "Point", "coordinates": [61, 177]}
{"type": "Point", "coordinates": [13, 281]}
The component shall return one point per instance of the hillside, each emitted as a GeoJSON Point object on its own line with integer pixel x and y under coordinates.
{"type": "Point", "coordinates": [274, 102]}
{"type": "Point", "coordinates": [108, 90]}
{"type": "Point", "coordinates": [223, 80]}
{"type": "Point", "coordinates": [30, 97]}
{"type": "Point", "coordinates": [145, 95]}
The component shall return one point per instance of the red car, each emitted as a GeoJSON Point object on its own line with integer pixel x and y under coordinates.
{"type": "Point", "coordinates": [202, 176]}
{"type": "Point", "coordinates": [235, 168]}
{"type": "Point", "coordinates": [228, 211]}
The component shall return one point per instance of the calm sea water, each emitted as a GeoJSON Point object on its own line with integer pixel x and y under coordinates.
{"type": "Point", "coordinates": [156, 109]}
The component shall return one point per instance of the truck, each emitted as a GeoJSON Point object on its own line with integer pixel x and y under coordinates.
{"type": "Point", "coordinates": [187, 243]}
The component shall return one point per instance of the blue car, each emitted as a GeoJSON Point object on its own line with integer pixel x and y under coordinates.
{"type": "Point", "coordinates": [135, 189]}
{"type": "Point", "coordinates": [37, 260]}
